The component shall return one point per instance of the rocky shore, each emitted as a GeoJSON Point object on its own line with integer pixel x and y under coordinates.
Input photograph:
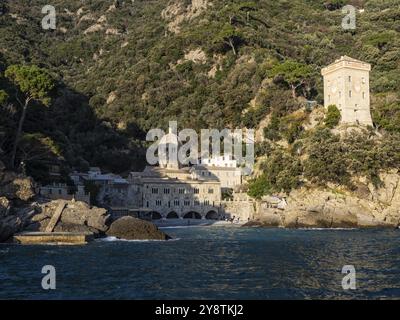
{"type": "Point", "coordinates": [335, 207]}
{"type": "Point", "coordinates": [21, 210]}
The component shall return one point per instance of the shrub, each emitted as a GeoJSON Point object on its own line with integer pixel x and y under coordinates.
{"type": "Point", "coordinates": [332, 117]}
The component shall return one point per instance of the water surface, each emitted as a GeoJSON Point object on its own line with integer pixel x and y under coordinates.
{"type": "Point", "coordinates": [211, 263]}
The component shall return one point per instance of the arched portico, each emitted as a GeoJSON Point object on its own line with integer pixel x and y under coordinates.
{"type": "Point", "coordinates": [155, 215]}
{"type": "Point", "coordinates": [212, 215]}
{"type": "Point", "coordinates": [192, 215]}
{"type": "Point", "coordinates": [172, 215]}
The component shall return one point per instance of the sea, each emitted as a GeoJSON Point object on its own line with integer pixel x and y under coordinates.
{"type": "Point", "coordinates": [211, 263]}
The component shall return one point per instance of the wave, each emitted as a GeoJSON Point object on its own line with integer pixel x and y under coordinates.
{"type": "Point", "coordinates": [115, 239]}
{"type": "Point", "coordinates": [5, 251]}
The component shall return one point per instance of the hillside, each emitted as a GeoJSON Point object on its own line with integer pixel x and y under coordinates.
{"type": "Point", "coordinates": [123, 67]}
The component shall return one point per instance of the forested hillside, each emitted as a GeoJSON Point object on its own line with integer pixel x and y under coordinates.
{"type": "Point", "coordinates": [123, 67]}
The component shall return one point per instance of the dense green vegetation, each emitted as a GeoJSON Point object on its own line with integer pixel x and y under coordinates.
{"type": "Point", "coordinates": [121, 70]}
{"type": "Point", "coordinates": [332, 117]}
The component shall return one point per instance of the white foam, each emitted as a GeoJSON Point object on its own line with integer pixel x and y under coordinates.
{"type": "Point", "coordinates": [115, 239]}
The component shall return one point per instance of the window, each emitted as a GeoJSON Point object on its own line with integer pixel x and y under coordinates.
{"type": "Point", "coordinates": [349, 78]}
{"type": "Point", "coordinates": [158, 203]}
{"type": "Point", "coordinates": [186, 203]}
{"type": "Point", "coordinates": [176, 202]}
{"type": "Point", "coordinates": [210, 190]}
{"type": "Point", "coordinates": [181, 191]}
{"type": "Point", "coordinates": [167, 190]}
{"type": "Point", "coordinates": [206, 202]}
{"type": "Point", "coordinates": [59, 191]}
{"type": "Point", "coordinates": [363, 95]}
{"type": "Point", "coordinates": [147, 204]}
{"type": "Point", "coordinates": [196, 191]}
{"type": "Point", "coordinates": [340, 94]}
{"type": "Point", "coordinates": [196, 202]}
{"type": "Point", "coordinates": [154, 190]}
{"type": "Point", "coordinates": [350, 94]}
{"type": "Point", "coordinates": [363, 80]}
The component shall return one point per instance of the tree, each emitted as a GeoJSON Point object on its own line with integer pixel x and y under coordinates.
{"type": "Point", "coordinates": [234, 10]}
{"type": "Point", "coordinates": [34, 84]}
{"type": "Point", "coordinates": [3, 97]}
{"type": "Point", "coordinates": [259, 187]}
{"type": "Point", "coordinates": [295, 74]}
{"type": "Point", "coordinates": [332, 117]}
{"type": "Point", "coordinates": [229, 36]}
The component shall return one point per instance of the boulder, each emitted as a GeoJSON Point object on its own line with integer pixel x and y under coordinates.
{"type": "Point", "coordinates": [76, 217]}
{"type": "Point", "coordinates": [77, 228]}
{"type": "Point", "coordinates": [16, 187]}
{"type": "Point", "coordinates": [5, 206]}
{"type": "Point", "coordinates": [9, 226]}
{"type": "Point", "coordinates": [130, 228]}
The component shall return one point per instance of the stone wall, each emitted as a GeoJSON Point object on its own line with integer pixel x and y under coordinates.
{"type": "Point", "coordinates": [244, 210]}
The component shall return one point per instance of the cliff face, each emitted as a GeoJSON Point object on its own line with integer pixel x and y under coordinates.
{"type": "Point", "coordinates": [367, 206]}
{"type": "Point", "coordinates": [15, 192]}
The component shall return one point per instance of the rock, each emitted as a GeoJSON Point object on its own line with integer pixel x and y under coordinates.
{"type": "Point", "coordinates": [79, 213]}
{"type": "Point", "coordinates": [267, 220]}
{"type": "Point", "coordinates": [16, 187]}
{"type": "Point", "coordinates": [69, 227]}
{"type": "Point", "coordinates": [335, 207]}
{"type": "Point", "coordinates": [130, 228]}
{"type": "Point", "coordinates": [76, 217]}
{"type": "Point", "coordinates": [9, 226]}
{"type": "Point", "coordinates": [5, 206]}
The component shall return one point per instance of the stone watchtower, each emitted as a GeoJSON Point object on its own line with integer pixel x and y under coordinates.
{"type": "Point", "coordinates": [346, 85]}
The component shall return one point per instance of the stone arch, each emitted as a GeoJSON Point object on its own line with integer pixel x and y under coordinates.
{"type": "Point", "coordinates": [155, 215]}
{"type": "Point", "coordinates": [192, 215]}
{"type": "Point", "coordinates": [212, 215]}
{"type": "Point", "coordinates": [172, 215]}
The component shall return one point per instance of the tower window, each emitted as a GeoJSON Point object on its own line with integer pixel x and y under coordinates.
{"type": "Point", "coordinates": [363, 95]}
{"type": "Point", "coordinates": [349, 78]}
{"type": "Point", "coordinates": [350, 94]}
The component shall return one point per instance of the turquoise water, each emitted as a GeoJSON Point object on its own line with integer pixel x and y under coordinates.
{"type": "Point", "coordinates": [211, 263]}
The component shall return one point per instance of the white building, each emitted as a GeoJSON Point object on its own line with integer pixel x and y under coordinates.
{"type": "Point", "coordinates": [221, 161]}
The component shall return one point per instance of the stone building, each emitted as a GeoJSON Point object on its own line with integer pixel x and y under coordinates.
{"type": "Point", "coordinates": [162, 195]}
{"type": "Point", "coordinates": [229, 177]}
{"type": "Point", "coordinates": [223, 168]}
{"type": "Point", "coordinates": [346, 85]}
{"type": "Point", "coordinates": [57, 191]}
